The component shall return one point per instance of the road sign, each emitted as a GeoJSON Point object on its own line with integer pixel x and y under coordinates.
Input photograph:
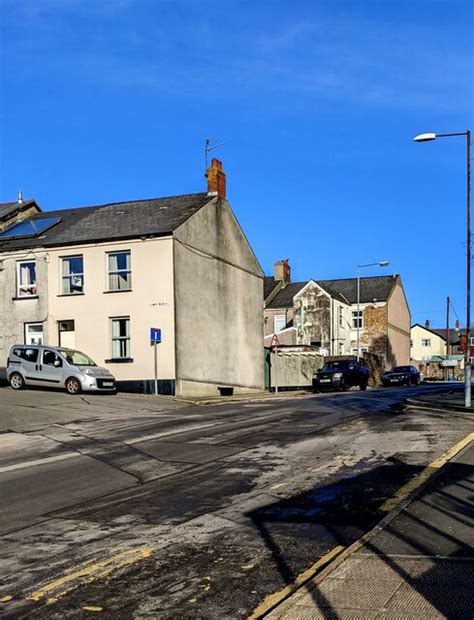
{"type": "Point", "coordinates": [155, 334]}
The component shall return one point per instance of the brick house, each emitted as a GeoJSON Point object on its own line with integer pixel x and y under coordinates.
{"type": "Point", "coordinates": [383, 319]}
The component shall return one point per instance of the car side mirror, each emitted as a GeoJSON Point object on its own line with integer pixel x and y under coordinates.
{"type": "Point", "coordinates": [57, 363]}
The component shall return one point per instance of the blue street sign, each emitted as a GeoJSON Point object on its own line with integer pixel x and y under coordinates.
{"type": "Point", "coordinates": [155, 334]}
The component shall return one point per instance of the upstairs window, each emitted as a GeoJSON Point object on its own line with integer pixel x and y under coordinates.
{"type": "Point", "coordinates": [426, 342]}
{"type": "Point", "coordinates": [120, 274]}
{"type": "Point", "coordinates": [26, 278]}
{"type": "Point", "coordinates": [357, 319]}
{"type": "Point", "coordinates": [279, 322]}
{"type": "Point", "coordinates": [72, 275]}
{"type": "Point", "coordinates": [340, 312]}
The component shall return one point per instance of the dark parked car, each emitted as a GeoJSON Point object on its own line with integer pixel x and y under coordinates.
{"type": "Point", "coordinates": [341, 375]}
{"type": "Point", "coordinates": [401, 375]}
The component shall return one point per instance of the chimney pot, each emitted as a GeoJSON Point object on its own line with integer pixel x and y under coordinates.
{"type": "Point", "coordinates": [427, 324]}
{"type": "Point", "coordinates": [20, 197]}
{"type": "Point", "coordinates": [216, 179]}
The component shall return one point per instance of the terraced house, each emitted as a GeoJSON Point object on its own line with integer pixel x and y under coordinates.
{"type": "Point", "coordinates": [98, 278]}
{"type": "Point", "coordinates": [324, 313]}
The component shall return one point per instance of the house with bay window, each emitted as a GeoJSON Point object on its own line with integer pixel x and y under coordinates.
{"type": "Point", "coordinates": [99, 278]}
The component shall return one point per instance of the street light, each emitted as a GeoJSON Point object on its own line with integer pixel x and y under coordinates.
{"type": "Point", "coordinates": [427, 137]}
{"type": "Point", "coordinates": [381, 263]}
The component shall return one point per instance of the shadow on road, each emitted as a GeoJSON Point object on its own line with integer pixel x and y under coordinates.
{"type": "Point", "coordinates": [347, 508]}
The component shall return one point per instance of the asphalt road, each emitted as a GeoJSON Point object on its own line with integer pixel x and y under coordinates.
{"type": "Point", "coordinates": [142, 507]}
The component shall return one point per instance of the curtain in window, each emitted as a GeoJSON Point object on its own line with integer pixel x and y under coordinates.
{"type": "Point", "coordinates": [120, 338]}
{"type": "Point", "coordinates": [119, 271]}
{"type": "Point", "coordinates": [27, 273]}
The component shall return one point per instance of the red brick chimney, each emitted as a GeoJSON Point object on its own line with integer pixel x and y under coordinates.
{"type": "Point", "coordinates": [282, 270]}
{"type": "Point", "coordinates": [216, 179]}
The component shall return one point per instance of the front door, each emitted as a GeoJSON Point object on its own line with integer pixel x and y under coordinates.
{"type": "Point", "coordinates": [33, 333]}
{"type": "Point", "coordinates": [67, 334]}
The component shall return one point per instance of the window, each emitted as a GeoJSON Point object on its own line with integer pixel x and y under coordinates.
{"type": "Point", "coordinates": [426, 342]}
{"type": "Point", "coordinates": [341, 316]}
{"type": "Point", "coordinates": [50, 358]}
{"type": "Point", "coordinates": [29, 355]}
{"type": "Point", "coordinates": [72, 275]}
{"type": "Point", "coordinates": [411, 343]}
{"type": "Point", "coordinates": [279, 322]}
{"type": "Point", "coordinates": [26, 278]}
{"type": "Point", "coordinates": [357, 319]}
{"type": "Point", "coordinates": [471, 341]}
{"type": "Point", "coordinates": [33, 333]}
{"type": "Point", "coordinates": [120, 337]}
{"type": "Point", "coordinates": [120, 274]}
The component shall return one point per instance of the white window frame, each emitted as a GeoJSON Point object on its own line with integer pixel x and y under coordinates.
{"type": "Point", "coordinates": [120, 339]}
{"type": "Point", "coordinates": [426, 342]}
{"type": "Point", "coordinates": [279, 318]}
{"type": "Point", "coordinates": [68, 277]}
{"type": "Point", "coordinates": [118, 271]}
{"type": "Point", "coordinates": [341, 316]}
{"type": "Point", "coordinates": [357, 319]}
{"type": "Point", "coordinates": [21, 286]}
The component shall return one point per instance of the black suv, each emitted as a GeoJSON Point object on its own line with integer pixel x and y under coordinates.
{"type": "Point", "coordinates": [341, 375]}
{"type": "Point", "coordinates": [401, 375]}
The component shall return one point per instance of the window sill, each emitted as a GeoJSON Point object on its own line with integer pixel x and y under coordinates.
{"type": "Point", "coordinates": [25, 297]}
{"type": "Point", "coordinates": [119, 360]}
{"type": "Point", "coordinates": [122, 290]}
{"type": "Point", "coordinates": [70, 294]}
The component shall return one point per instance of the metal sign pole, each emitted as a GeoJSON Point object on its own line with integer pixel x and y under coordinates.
{"type": "Point", "coordinates": [155, 353]}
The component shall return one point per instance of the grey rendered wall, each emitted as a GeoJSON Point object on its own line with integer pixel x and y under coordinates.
{"type": "Point", "coordinates": [14, 313]}
{"type": "Point", "coordinates": [219, 303]}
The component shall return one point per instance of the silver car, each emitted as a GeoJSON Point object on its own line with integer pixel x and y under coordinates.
{"type": "Point", "coordinates": [56, 367]}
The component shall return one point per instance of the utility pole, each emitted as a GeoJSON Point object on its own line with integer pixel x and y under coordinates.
{"type": "Point", "coordinates": [446, 370]}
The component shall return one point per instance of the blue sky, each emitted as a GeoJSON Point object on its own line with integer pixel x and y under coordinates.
{"type": "Point", "coordinates": [316, 102]}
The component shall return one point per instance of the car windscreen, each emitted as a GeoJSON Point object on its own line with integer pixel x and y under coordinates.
{"type": "Point", "coordinates": [342, 365]}
{"type": "Point", "coordinates": [77, 358]}
{"type": "Point", "coordinates": [401, 369]}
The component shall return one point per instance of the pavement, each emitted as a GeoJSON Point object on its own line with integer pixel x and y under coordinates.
{"type": "Point", "coordinates": [419, 564]}
{"type": "Point", "coordinates": [452, 400]}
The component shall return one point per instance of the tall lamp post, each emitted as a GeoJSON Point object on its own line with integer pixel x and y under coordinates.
{"type": "Point", "coordinates": [427, 137]}
{"type": "Point", "coordinates": [381, 263]}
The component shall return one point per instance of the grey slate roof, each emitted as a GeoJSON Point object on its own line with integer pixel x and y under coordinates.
{"type": "Point", "coordinates": [119, 220]}
{"type": "Point", "coordinates": [375, 288]}
{"type": "Point", "coordinates": [7, 208]}
{"type": "Point", "coordinates": [269, 284]}
{"type": "Point", "coordinates": [284, 298]}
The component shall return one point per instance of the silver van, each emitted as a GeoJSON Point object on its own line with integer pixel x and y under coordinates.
{"type": "Point", "coordinates": [56, 367]}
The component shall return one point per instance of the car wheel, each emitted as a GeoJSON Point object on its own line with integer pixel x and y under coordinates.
{"type": "Point", "coordinates": [343, 386]}
{"type": "Point", "coordinates": [363, 386]}
{"type": "Point", "coordinates": [16, 381]}
{"type": "Point", "coordinates": [73, 386]}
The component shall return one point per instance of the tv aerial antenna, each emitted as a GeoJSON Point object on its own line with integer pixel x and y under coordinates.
{"type": "Point", "coordinates": [207, 149]}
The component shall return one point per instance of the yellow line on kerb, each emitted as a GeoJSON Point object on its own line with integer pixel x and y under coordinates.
{"type": "Point", "coordinates": [420, 478]}
{"type": "Point", "coordinates": [272, 600]}
{"type": "Point", "coordinates": [88, 573]}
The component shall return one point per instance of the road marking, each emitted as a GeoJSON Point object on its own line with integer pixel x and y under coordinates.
{"type": "Point", "coordinates": [88, 573]}
{"type": "Point", "coordinates": [275, 599]}
{"type": "Point", "coordinates": [48, 459]}
{"type": "Point", "coordinates": [6, 598]}
{"type": "Point", "coordinates": [426, 473]}
{"type": "Point", "coordinates": [92, 608]}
